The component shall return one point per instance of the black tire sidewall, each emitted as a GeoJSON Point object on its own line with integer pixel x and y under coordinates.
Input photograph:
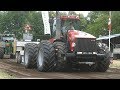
{"type": "Point", "coordinates": [47, 50]}
{"type": "Point", "coordinates": [103, 65]}
{"type": "Point", "coordinates": [31, 51]}
{"type": "Point", "coordinates": [40, 68]}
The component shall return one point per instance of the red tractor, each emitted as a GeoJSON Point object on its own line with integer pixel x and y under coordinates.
{"type": "Point", "coordinates": [69, 49]}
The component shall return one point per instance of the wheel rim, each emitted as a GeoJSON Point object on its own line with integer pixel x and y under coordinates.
{"type": "Point", "coordinates": [40, 58]}
{"type": "Point", "coordinates": [26, 58]}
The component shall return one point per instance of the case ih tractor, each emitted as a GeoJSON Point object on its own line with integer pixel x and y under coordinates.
{"type": "Point", "coordinates": [68, 49]}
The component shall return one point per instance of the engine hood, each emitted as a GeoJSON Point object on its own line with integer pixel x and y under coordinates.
{"type": "Point", "coordinates": [80, 34]}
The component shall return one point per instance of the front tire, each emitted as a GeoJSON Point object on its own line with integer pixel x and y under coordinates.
{"type": "Point", "coordinates": [103, 65]}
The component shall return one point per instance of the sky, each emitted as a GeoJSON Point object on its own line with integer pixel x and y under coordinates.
{"type": "Point", "coordinates": [85, 13]}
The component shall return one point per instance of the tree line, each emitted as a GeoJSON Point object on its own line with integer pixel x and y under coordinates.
{"type": "Point", "coordinates": [96, 22]}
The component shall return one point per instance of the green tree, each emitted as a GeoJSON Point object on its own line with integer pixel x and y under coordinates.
{"type": "Point", "coordinates": [97, 23]}
{"type": "Point", "coordinates": [115, 20]}
{"type": "Point", "coordinates": [35, 20]}
{"type": "Point", "coordinates": [14, 22]}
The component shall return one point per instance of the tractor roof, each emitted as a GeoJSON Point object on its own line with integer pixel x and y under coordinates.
{"type": "Point", "coordinates": [69, 17]}
{"type": "Point", "coordinates": [7, 35]}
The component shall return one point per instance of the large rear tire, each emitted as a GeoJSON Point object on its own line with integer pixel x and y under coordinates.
{"type": "Point", "coordinates": [1, 53]}
{"type": "Point", "coordinates": [30, 55]}
{"type": "Point", "coordinates": [103, 65]}
{"type": "Point", "coordinates": [46, 57]}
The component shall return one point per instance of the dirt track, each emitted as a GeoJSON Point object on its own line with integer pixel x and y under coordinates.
{"type": "Point", "coordinates": [18, 71]}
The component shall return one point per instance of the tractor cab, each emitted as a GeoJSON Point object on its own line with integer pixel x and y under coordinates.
{"type": "Point", "coordinates": [66, 23]}
{"type": "Point", "coordinates": [7, 37]}
{"type": "Point", "coordinates": [7, 44]}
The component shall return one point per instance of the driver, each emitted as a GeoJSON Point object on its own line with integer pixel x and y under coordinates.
{"type": "Point", "coordinates": [66, 28]}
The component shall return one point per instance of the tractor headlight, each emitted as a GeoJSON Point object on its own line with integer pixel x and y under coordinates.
{"type": "Point", "coordinates": [73, 44]}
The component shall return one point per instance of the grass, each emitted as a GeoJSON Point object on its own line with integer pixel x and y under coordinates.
{"type": "Point", "coordinates": [5, 75]}
{"type": "Point", "coordinates": [116, 64]}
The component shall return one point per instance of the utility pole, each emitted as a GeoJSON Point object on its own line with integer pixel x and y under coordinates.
{"type": "Point", "coordinates": [58, 32]}
{"type": "Point", "coordinates": [109, 27]}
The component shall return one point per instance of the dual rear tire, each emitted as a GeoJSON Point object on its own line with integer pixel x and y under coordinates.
{"type": "Point", "coordinates": [40, 56]}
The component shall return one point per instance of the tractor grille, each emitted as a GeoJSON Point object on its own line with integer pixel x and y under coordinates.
{"type": "Point", "coordinates": [85, 45]}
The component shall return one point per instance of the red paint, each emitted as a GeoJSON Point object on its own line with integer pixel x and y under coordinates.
{"type": "Point", "coordinates": [70, 17]}
{"type": "Point", "coordinates": [52, 40]}
{"type": "Point", "coordinates": [71, 38]}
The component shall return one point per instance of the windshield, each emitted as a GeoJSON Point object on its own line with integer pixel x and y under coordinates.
{"type": "Point", "coordinates": [7, 38]}
{"type": "Point", "coordinates": [66, 25]}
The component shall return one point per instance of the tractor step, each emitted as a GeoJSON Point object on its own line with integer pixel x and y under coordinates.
{"type": "Point", "coordinates": [90, 63]}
